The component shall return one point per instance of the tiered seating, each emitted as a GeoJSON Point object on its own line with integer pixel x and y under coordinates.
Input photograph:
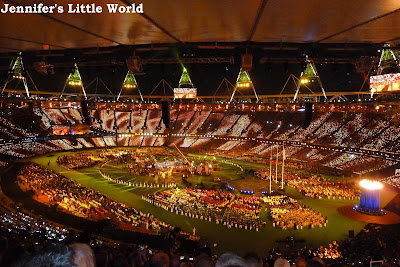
{"type": "Point", "coordinates": [211, 123]}
{"type": "Point", "coordinates": [138, 120]}
{"type": "Point", "coordinates": [95, 118]}
{"type": "Point", "coordinates": [60, 144]}
{"type": "Point", "coordinates": [226, 124]}
{"type": "Point", "coordinates": [228, 145]}
{"type": "Point", "coordinates": [123, 141]}
{"type": "Point", "coordinates": [107, 116]}
{"type": "Point", "coordinates": [366, 164]}
{"type": "Point", "coordinates": [22, 223]}
{"type": "Point", "coordinates": [45, 122]}
{"type": "Point", "coordinates": [99, 142]}
{"type": "Point", "coordinates": [135, 141]}
{"type": "Point", "coordinates": [123, 121]}
{"type": "Point", "coordinates": [148, 140]}
{"type": "Point", "coordinates": [390, 134]}
{"type": "Point", "coordinates": [181, 124]}
{"type": "Point", "coordinates": [173, 116]}
{"type": "Point", "coordinates": [160, 141]}
{"type": "Point", "coordinates": [369, 130]}
{"type": "Point", "coordinates": [241, 125]}
{"type": "Point", "coordinates": [200, 143]}
{"type": "Point", "coordinates": [55, 115]}
{"type": "Point", "coordinates": [188, 141]}
{"type": "Point", "coordinates": [332, 124]}
{"type": "Point", "coordinates": [342, 136]}
{"type": "Point", "coordinates": [86, 142]}
{"type": "Point", "coordinates": [284, 122]}
{"type": "Point", "coordinates": [331, 129]}
{"type": "Point", "coordinates": [26, 149]}
{"type": "Point", "coordinates": [153, 121]}
{"type": "Point", "coordinates": [176, 140]}
{"type": "Point", "coordinates": [73, 143]}
{"type": "Point", "coordinates": [109, 140]}
{"type": "Point", "coordinates": [393, 180]}
{"type": "Point", "coordinates": [255, 127]}
{"type": "Point", "coordinates": [300, 134]}
{"type": "Point", "coordinates": [73, 115]}
{"type": "Point", "coordinates": [197, 121]}
{"type": "Point", "coordinates": [81, 201]}
{"type": "Point", "coordinates": [9, 130]}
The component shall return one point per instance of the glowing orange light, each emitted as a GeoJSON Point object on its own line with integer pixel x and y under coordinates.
{"type": "Point", "coordinates": [371, 185]}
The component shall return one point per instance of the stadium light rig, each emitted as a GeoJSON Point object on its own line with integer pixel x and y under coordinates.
{"type": "Point", "coordinates": [243, 81]}
{"type": "Point", "coordinates": [130, 83]}
{"type": "Point", "coordinates": [16, 71]}
{"type": "Point", "coordinates": [185, 80]}
{"type": "Point", "coordinates": [387, 59]}
{"type": "Point", "coordinates": [17, 68]}
{"type": "Point", "coordinates": [310, 74]}
{"type": "Point", "coordinates": [74, 77]}
{"type": "Point", "coordinates": [75, 80]}
{"type": "Point", "coordinates": [386, 78]}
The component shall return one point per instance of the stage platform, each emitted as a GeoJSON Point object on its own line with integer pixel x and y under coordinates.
{"type": "Point", "coordinates": [388, 218]}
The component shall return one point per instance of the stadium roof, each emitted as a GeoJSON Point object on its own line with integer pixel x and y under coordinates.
{"type": "Point", "coordinates": [202, 21]}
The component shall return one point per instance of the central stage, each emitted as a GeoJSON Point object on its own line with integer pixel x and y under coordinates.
{"type": "Point", "coordinates": [388, 218]}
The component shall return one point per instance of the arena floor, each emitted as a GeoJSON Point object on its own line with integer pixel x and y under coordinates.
{"type": "Point", "coordinates": [388, 218]}
{"type": "Point", "coordinates": [227, 239]}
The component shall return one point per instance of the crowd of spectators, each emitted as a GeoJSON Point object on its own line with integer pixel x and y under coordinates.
{"type": "Point", "coordinates": [224, 127]}
{"type": "Point", "coordinates": [26, 149]}
{"type": "Point", "coordinates": [242, 212]}
{"type": "Point", "coordinates": [288, 213]}
{"type": "Point", "coordinates": [15, 222]}
{"type": "Point", "coordinates": [8, 130]}
{"type": "Point", "coordinates": [236, 210]}
{"type": "Point", "coordinates": [196, 203]}
{"type": "Point", "coordinates": [373, 243]}
{"type": "Point", "coordinates": [330, 252]}
{"type": "Point", "coordinates": [316, 186]}
{"type": "Point", "coordinates": [229, 145]}
{"type": "Point", "coordinates": [211, 205]}
{"type": "Point", "coordinates": [136, 184]}
{"type": "Point", "coordinates": [28, 241]}
{"type": "Point", "coordinates": [240, 126]}
{"type": "Point", "coordinates": [182, 121]}
{"type": "Point", "coordinates": [336, 129]}
{"type": "Point", "coordinates": [78, 160]}
{"type": "Point", "coordinates": [74, 198]}
{"type": "Point", "coordinates": [393, 180]}
{"type": "Point", "coordinates": [39, 249]}
{"type": "Point", "coordinates": [94, 253]}
{"type": "Point", "coordinates": [328, 128]}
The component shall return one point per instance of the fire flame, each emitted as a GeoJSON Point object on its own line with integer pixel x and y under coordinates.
{"type": "Point", "coordinates": [371, 185]}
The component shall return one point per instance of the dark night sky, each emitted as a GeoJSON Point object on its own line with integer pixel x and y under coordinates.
{"type": "Point", "coordinates": [267, 78]}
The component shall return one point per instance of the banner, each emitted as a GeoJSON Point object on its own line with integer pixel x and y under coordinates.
{"type": "Point", "coordinates": [185, 92]}
{"type": "Point", "coordinates": [385, 83]}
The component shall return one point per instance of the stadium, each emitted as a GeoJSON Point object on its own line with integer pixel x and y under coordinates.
{"type": "Point", "coordinates": [176, 144]}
